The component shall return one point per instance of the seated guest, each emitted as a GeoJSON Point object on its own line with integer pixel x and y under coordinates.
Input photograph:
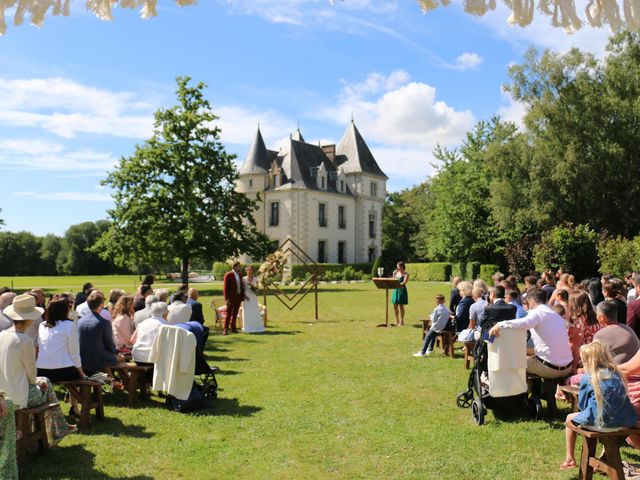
{"type": "Point", "coordinates": [18, 368]}
{"type": "Point", "coordinates": [179, 311]}
{"type": "Point", "coordinates": [454, 295]}
{"type": "Point", "coordinates": [196, 306]}
{"type": "Point", "coordinates": [122, 324]}
{"type": "Point", "coordinates": [8, 464]}
{"type": "Point", "coordinates": [439, 322]}
{"type": "Point", "coordinates": [143, 292]}
{"type": "Point", "coordinates": [612, 291]}
{"type": "Point", "coordinates": [97, 350]}
{"type": "Point", "coordinates": [32, 331]}
{"type": "Point", "coordinates": [549, 284]}
{"type": "Point", "coordinates": [183, 289]}
{"type": "Point", "coordinates": [462, 312]}
{"type": "Point", "coordinates": [81, 296]}
{"type": "Point", "coordinates": [498, 310]}
{"type": "Point", "coordinates": [479, 283]}
{"type": "Point", "coordinates": [145, 334]}
{"type": "Point", "coordinates": [497, 278]}
{"type": "Point", "coordinates": [141, 315]}
{"type": "Point", "coordinates": [583, 324]}
{"type": "Point", "coordinates": [84, 310]}
{"type": "Point", "coordinates": [633, 282]}
{"type": "Point", "coordinates": [594, 289]}
{"type": "Point", "coordinates": [529, 284]}
{"type": "Point", "coordinates": [59, 347]}
{"type": "Point", "coordinates": [553, 357]}
{"type": "Point", "coordinates": [114, 296]}
{"type": "Point", "coordinates": [5, 301]}
{"type": "Point", "coordinates": [163, 295]}
{"type": "Point", "coordinates": [618, 339]}
{"type": "Point", "coordinates": [477, 308]}
{"type": "Point", "coordinates": [512, 299]}
{"type": "Point", "coordinates": [200, 331]}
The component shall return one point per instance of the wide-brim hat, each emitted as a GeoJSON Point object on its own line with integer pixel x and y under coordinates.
{"type": "Point", "coordinates": [23, 308]}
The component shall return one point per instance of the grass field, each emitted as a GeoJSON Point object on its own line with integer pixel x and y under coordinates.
{"type": "Point", "coordinates": [337, 398]}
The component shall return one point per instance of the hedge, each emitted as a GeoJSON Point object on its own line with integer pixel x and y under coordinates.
{"type": "Point", "coordinates": [331, 271]}
{"type": "Point", "coordinates": [487, 270]}
{"type": "Point", "coordinates": [220, 268]}
{"type": "Point", "coordinates": [430, 272]}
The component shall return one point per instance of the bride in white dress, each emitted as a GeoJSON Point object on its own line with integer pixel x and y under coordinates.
{"type": "Point", "coordinates": [252, 320]}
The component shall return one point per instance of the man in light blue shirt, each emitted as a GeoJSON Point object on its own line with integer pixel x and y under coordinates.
{"type": "Point", "coordinates": [439, 321]}
{"type": "Point", "coordinates": [513, 300]}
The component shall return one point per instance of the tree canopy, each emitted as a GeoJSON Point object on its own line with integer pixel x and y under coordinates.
{"type": "Point", "coordinates": [175, 196]}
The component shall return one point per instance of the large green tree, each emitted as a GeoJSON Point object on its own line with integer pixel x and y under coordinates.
{"type": "Point", "coordinates": [76, 255]}
{"type": "Point", "coordinates": [175, 197]}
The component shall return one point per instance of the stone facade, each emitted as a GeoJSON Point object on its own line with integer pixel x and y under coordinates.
{"type": "Point", "coordinates": [327, 198]}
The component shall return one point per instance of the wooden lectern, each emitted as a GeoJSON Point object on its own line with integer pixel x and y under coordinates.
{"type": "Point", "coordinates": [386, 283]}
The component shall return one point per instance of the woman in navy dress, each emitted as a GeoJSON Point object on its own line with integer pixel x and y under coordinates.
{"type": "Point", "coordinates": [400, 296]}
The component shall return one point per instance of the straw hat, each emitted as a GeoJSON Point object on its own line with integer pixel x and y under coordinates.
{"type": "Point", "coordinates": [23, 308]}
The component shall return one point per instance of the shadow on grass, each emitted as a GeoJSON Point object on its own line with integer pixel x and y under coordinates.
{"type": "Point", "coordinates": [218, 358]}
{"type": "Point", "coordinates": [228, 372]}
{"type": "Point", "coordinates": [74, 463]}
{"type": "Point", "coordinates": [114, 427]}
{"type": "Point", "coordinates": [228, 406]}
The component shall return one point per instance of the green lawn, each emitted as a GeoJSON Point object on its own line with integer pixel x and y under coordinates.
{"type": "Point", "coordinates": [337, 398]}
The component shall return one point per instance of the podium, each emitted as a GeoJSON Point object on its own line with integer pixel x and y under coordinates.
{"type": "Point", "coordinates": [386, 284]}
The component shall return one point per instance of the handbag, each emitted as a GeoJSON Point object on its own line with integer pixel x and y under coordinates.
{"type": "Point", "coordinates": [466, 335]}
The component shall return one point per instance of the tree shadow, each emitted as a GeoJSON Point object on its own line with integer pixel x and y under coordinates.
{"type": "Point", "coordinates": [226, 372]}
{"type": "Point", "coordinates": [73, 463]}
{"type": "Point", "coordinates": [277, 332]}
{"type": "Point", "coordinates": [218, 358]}
{"type": "Point", "coordinates": [115, 428]}
{"type": "Point", "coordinates": [227, 406]}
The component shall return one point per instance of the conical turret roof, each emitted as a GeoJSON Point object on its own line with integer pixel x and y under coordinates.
{"type": "Point", "coordinates": [257, 160]}
{"type": "Point", "coordinates": [354, 156]}
{"type": "Point", "coordinates": [297, 136]}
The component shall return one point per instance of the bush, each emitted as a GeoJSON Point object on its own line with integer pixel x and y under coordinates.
{"type": "Point", "coordinates": [473, 269]}
{"type": "Point", "coordinates": [618, 255]}
{"type": "Point", "coordinates": [570, 247]}
{"type": "Point", "coordinates": [519, 256]}
{"type": "Point", "coordinates": [300, 271]}
{"type": "Point", "coordinates": [459, 270]}
{"type": "Point", "coordinates": [374, 268]}
{"type": "Point", "coordinates": [430, 272]}
{"type": "Point", "coordinates": [220, 268]}
{"type": "Point", "coordinates": [486, 272]}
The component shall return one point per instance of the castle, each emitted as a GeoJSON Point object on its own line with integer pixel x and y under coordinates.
{"type": "Point", "coordinates": [326, 198]}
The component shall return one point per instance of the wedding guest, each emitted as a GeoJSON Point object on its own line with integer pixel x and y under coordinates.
{"type": "Point", "coordinates": [146, 332]}
{"type": "Point", "coordinates": [196, 307]}
{"type": "Point", "coordinates": [618, 339]}
{"type": "Point", "coordinates": [633, 283]}
{"type": "Point", "coordinates": [549, 284]}
{"type": "Point", "coordinates": [479, 283]}
{"type": "Point", "coordinates": [461, 318]}
{"type": "Point", "coordinates": [498, 309]}
{"type": "Point", "coordinates": [122, 324]}
{"type": "Point", "coordinates": [5, 301]}
{"type": "Point", "coordinates": [400, 296]}
{"type": "Point", "coordinates": [114, 295]}
{"type": "Point", "coordinates": [141, 315]}
{"type": "Point", "coordinates": [97, 350]}
{"type": "Point", "coordinates": [233, 291]}
{"type": "Point", "coordinates": [529, 284]}
{"type": "Point", "coordinates": [84, 310]}
{"type": "Point", "coordinates": [583, 324]}
{"type": "Point", "coordinates": [179, 311]}
{"type": "Point", "coordinates": [497, 278]}
{"type": "Point", "coordinates": [18, 368]}
{"type": "Point", "coordinates": [612, 291]}
{"type": "Point", "coordinates": [595, 291]}
{"type": "Point", "coordinates": [477, 308]}
{"type": "Point", "coordinates": [512, 299]}
{"type": "Point", "coordinates": [439, 322]}
{"type": "Point", "coordinates": [454, 295]}
{"type": "Point", "coordinates": [81, 296]}
{"type": "Point", "coordinates": [163, 295]}
{"type": "Point", "coordinates": [143, 292]}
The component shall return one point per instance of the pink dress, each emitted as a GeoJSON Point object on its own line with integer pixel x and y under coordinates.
{"type": "Point", "coordinates": [122, 331]}
{"type": "Point", "coordinates": [633, 384]}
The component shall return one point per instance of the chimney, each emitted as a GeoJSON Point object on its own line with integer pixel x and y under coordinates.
{"type": "Point", "coordinates": [330, 152]}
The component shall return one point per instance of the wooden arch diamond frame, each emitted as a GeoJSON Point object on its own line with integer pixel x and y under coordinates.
{"type": "Point", "coordinates": [291, 301]}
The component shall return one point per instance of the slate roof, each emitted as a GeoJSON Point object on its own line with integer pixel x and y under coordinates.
{"type": "Point", "coordinates": [257, 160]}
{"type": "Point", "coordinates": [354, 156]}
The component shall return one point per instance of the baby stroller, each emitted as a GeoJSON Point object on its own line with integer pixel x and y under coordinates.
{"type": "Point", "coordinates": [207, 377]}
{"type": "Point", "coordinates": [499, 384]}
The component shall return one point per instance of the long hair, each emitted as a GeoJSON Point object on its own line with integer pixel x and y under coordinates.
{"type": "Point", "coordinates": [580, 306]}
{"type": "Point", "coordinates": [57, 309]}
{"type": "Point", "coordinates": [124, 306]}
{"type": "Point", "coordinates": [598, 364]}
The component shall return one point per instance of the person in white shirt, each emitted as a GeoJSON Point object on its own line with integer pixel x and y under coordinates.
{"type": "Point", "coordinates": [141, 315]}
{"type": "Point", "coordinates": [146, 332]}
{"type": "Point", "coordinates": [179, 310]}
{"type": "Point", "coordinates": [440, 320]}
{"type": "Point", "coordinates": [632, 293]}
{"type": "Point", "coordinates": [477, 308]}
{"type": "Point", "coordinates": [553, 357]}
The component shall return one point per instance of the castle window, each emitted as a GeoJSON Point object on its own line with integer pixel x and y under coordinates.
{"type": "Point", "coordinates": [250, 183]}
{"type": "Point", "coordinates": [341, 220]}
{"type": "Point", "coordinates": [374, 189]}
{"type": "Point", "coordinates": [322, 214]}
{"type": "Point", "coordinates": [322, 183]}
{"type": "Point", "coordinates": [342, 185]}
{"type": "Point", "coordinates": [341, 252]}
{"type": "Point", "coordinates": [372, 225]}
{"type": "Point", "coordinates": [274, 218]}
{"type": "Point", "coordinates": [372, 255]}
{"type": "Point", "coordinates": [322, 254]}
{"type": "Point", "coordinates": [276, 179]}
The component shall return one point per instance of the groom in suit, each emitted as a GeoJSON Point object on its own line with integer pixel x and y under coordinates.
{"type": "Point", "coordinates": [233, 296]}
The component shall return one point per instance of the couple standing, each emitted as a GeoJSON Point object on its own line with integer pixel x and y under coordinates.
{"type": "Point", "coordinates": [239, 289]}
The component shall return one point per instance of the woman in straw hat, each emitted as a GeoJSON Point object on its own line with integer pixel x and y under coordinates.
{"type": "Point", "coordinates": [18, 368]}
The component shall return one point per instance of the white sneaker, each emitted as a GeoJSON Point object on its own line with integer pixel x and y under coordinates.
{"type": "Point", "coordinates": [419, 354]}
{"type": "Point", "coordinates": [428, 352]}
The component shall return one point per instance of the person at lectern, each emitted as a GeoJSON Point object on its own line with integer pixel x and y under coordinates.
{"type": "Point", "coordinates": [400, 296]}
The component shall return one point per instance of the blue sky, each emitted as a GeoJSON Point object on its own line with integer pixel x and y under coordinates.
{"type": "Point", "coordinates": [80, 92]}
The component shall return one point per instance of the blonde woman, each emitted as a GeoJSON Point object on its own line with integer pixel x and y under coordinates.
{"type": "Point", "coordinates": [603, 400]}
{"type": "Point", "coordinates": [464, 307]}
{"type": "Point", "coordinates": [123, 322]}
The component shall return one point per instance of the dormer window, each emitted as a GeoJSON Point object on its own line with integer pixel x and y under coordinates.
{"type": "Point", "coordinates": [323, 182]}
{"type": "Point", "coordinates": [276, 180]}
{"type": "Point", "coordinates": [342, 185]}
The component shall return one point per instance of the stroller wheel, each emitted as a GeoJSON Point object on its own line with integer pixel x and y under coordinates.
{"type": "Point", "coordinates": [478, 411]}
{"type": "Point", "coordinates": [535, 407]}
{"type": "Point", "coordinates": [465, 399]}
{"type": "Point", "coordinates": [210, 391]}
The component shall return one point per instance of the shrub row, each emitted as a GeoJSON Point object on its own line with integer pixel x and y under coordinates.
{"type": "Point", "coordinates": [466, 271]}
{"type": "Point", "coordinates": [487, 271]}
{"type": "Point", "coordinates": [328, 271]}
{"type": "Point", "coordinates": [430, 272]}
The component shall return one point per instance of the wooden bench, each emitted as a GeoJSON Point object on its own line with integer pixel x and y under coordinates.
{"type": "Point", "coordinates": [545, 388]}
{"type": "Point", "coordinates": [571, 394]}
{"type": "Point", "coordinates": [88, 394]}
{"type": "Point", "coordinates": [610, 462]}
{"type": "Point", "coordinates": [446, 339]}
{"type": "Point", "coordinates": [31, 422]}
{"type": "Point", "coordinates": [468, 354]}
{"type": "Point", "coordinates": [426, 325]}
{"type": "Point", "coordinates": [133, 378]}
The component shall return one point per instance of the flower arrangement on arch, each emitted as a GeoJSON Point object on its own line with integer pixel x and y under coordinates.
{"type": "Point", "coordinates": [273, 267]}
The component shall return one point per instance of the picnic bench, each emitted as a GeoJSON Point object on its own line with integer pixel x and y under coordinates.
{"type": "Point", "coordinates": [31, 422]}
{"type": "Point", "coordinates": [88, 395]}
{"type": "Point", "coordinates": [571, 394]}
{"type": "Point", "coordinates": [446, 339]}
{"type": "Point", "coordinates": [609, 463]}
{"type": "Point", "coordinates": [133, 378]}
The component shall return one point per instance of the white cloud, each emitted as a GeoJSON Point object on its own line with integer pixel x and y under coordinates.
{"type": "Point", "coordinates": [66, 196]}
{"type": "Point", "coordinates": [404, 166]}
{"type": "Point", "coordinates": [468, 61]}
{"type": "Point", "coordinates": [374, 83]}
{"type": "Point", "coordinates": [238, 124]}
{"type": "Point", "coordinates": [66, 108]}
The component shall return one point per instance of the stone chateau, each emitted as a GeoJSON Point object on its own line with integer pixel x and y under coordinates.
{"type": "Point", "coordinates": [327, 198]}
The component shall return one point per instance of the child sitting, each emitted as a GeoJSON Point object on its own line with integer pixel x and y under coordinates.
{"type": "Point", "coordinates": [603, 401]}
{"type": "Point", "coordinates": [439, 321]}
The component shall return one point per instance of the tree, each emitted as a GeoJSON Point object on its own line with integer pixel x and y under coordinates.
{"type": "Point", "coordinates": [77, 256]}
{"type": "Point", "coordinates": [175, 197]}
{"type": "Point", "coordinates": [19, 253]}
{"type": "Point", "coordinates": [50, 247]}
